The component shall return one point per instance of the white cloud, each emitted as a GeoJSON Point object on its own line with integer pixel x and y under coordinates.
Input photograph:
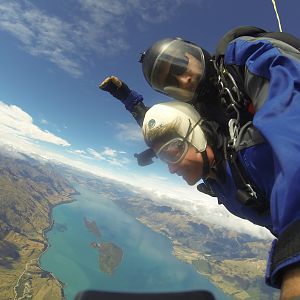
{"type": "Point", "coordinates": [95, 27]}
{"type": "Point", "coordinates": [109, 155]}
{"type": "Point", "coordinates": [129, 132]}
{"type": "Point", "coordinates": [40, 34]}
{"type": "Point", "coordinates": [79, 151]}
{"type": "Point", "coordinates": [156, 11]}
{"type": "Point", "coordinates": [95, 154]}
{"type": "Point", "coordinates": [17, 126]}
{"type": "Point", "coordinates": [120, 162]}
{"type": "Point", "coordinates": [109, 152]}
{"type": "Point", "coordinates": [65, 43]}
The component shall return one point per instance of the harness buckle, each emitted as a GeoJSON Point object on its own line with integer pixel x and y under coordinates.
{"type": "Point", "coordinates": [233, 127]}
{"type": "Point", "coordinates": [251, 190]}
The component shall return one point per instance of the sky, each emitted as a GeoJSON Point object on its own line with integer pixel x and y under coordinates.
{"type": "Point", "coordinates": [53, 55]}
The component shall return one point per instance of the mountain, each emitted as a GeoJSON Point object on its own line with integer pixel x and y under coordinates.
{"type": "Point", "coordinates": [28, 192]}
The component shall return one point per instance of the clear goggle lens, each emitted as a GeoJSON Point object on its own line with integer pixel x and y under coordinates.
{"type": "Point", "coordinates": [178, 67]}
{"type": "Point", "coordinates": [173, 151]}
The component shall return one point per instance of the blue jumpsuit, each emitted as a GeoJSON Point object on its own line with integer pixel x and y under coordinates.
{"type": "Point", "coordinates": [272, 81]}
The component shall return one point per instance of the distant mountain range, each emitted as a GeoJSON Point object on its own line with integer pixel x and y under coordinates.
{"type": "Point", "coordinates": [30, 188]}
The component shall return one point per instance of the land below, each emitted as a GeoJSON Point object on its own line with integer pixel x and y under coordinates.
{"type": "Point", "coordinates": [28, 192]}
{"type": "Point", "coordinates": [233, 261]}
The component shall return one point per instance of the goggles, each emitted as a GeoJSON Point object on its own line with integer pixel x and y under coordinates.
{"type": "Point", "coordinates": [178, 67]}
{"type": "Point", "coordinates": [173, 151]}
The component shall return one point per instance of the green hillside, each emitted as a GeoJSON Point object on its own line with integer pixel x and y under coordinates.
{"type": "Point", "coordinates": [28, 192]}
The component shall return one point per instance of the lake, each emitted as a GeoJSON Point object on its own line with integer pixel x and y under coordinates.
{"type": "Point", "coordinates": [147, 265]}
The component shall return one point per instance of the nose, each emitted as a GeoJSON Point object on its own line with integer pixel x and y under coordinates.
{"type": "Point", "coordinates": [184, 80]}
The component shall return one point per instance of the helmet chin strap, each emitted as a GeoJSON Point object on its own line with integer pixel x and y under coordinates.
{"type": "Point", "coordinates": [205, 169]}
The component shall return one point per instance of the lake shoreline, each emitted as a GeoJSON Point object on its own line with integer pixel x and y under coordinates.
{"type": "Point", "coordinates": [153, 252]}
{"type": "Point", "coordinates": [66, 199]}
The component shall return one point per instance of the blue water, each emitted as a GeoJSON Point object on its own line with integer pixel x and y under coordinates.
{"type": "Point", "coordinates": [147, 264]}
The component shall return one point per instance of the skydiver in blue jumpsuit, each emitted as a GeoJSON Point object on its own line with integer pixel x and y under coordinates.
{"type": "Point", "coordinates": [253, 84]}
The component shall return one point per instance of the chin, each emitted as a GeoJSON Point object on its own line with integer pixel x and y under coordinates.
{"type": "Point", "coordinates": [191, 181]}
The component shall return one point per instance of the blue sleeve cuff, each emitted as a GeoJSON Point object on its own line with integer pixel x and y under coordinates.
{"type": "Point", "coordinates": [284, 252]}
{"type": "Point", "coordinates": [132, 100]}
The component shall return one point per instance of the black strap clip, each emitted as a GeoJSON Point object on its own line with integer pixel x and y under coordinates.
{"type": "Point", "coordinates": [145, 158]}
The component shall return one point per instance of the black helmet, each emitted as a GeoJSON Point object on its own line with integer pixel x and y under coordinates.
{"type": "Point", "coordinates": [177, 68]}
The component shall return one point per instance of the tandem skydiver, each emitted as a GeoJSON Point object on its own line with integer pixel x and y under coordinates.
{"type": "Point", "coordinates": [241, 136]}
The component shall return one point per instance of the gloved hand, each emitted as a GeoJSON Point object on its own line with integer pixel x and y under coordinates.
{"type": "Point", "coordinates": [130, 98]}
{"type": "Point", "coordinates": [115, 87]}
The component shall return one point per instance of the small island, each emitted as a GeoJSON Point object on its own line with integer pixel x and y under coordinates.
{"type": "Point", "coordinates": [61, 227]}
{"type": "Point", "coordinates": [110, 255]}
{"type": "Point", "coordinates": [91, 225]}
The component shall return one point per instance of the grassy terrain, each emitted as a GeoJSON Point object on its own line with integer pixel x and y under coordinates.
{"type": "Point", "coordinates": [28, 192]}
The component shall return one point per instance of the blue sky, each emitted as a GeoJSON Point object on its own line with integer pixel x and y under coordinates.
{"type": "Point", "coordinates": [54, 53]}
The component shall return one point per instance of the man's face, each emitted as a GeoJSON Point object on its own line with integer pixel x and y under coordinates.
{"type": "Point", "coordinates": [190, 168]}
{"type": "Point", "coordinates": [189, 80]}
{"type": "Point", "coordinates": [181, 76]}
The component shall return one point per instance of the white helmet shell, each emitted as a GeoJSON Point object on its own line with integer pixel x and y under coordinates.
{"type": "Point", "coordinates": [183, 115]}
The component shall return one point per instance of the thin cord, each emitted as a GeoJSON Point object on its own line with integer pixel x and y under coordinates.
{"type": "Point", "coordinates": [277, 15]}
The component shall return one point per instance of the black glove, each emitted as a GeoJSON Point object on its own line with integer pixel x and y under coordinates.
{"type": "Point", "coordinates": [115, 87]}
{"type": "Point", "coordinates": [132, 100]}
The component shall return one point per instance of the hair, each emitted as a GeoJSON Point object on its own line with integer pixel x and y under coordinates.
{"type": "Point", "coordinates": [161, 134]}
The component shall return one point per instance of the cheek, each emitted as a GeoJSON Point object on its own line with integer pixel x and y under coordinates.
{"type": "Point", "coordinates": [196, 173]}
{"type": "Point", "coordinates": [195, 65]}
{"type": "Point", "coordinates": [193, 172]}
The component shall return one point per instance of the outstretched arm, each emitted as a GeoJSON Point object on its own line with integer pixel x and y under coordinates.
{"type": "Point", "coordinates": [132, 100]}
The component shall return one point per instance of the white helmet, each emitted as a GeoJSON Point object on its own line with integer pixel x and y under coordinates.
{"type": "Point", "coordinates": [186, 121]}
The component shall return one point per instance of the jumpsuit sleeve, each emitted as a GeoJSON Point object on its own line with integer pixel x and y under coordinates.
{"type": "Point", "coordinates": [272, 81]}
{"type": "Point", "coordinates": [135, 105]}
{"type": "Point", "coordinates": [132, 100]}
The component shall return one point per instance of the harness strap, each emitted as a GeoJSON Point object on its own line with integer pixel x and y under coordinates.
{"type": "Point", "coordinates": [206, 189]}
{"type": "Point", "coordinates": [247, 192]}
{"type": "Point", "coordinates": [205, 169]}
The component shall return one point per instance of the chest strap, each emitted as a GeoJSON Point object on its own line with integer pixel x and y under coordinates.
{"type": "Point", "coordinates": [247, 192]}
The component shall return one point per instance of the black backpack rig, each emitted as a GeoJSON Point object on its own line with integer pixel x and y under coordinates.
{"type": "Point", "coordinates": [237, 104]}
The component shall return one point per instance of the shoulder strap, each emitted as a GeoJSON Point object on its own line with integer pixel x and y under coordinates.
{"type": "Point", "coordinates": [233, 34]}
{"type": "Point", "coordinates": [284, 37]}
{"type": "Point", "coordinates": [255, 32]}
